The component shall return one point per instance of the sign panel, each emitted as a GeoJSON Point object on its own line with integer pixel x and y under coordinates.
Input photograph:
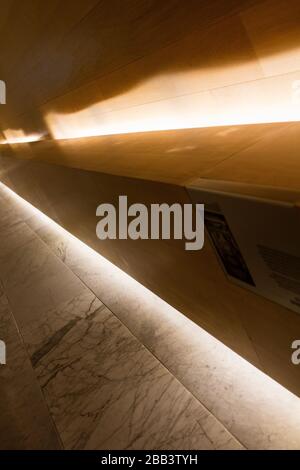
{"type": "Point", "coordinates": [257, 241]}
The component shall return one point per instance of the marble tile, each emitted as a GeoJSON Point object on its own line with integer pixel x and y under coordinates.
{"type": "Point", "coordinates": [105, 390]}
{"type": "Point", "coordinates": [14, 236]}
{"type": "Point", "coordinates": [33, 278]}
{"type": "Point", "coordinates": [25, 422]}
{"type": "Point", "coordinates": [11, 212]}
{"type": "Point", "coordinates": [257, 410]}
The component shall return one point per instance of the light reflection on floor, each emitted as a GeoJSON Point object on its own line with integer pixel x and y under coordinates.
{"type": "Point", "coordinates": [257, 410]}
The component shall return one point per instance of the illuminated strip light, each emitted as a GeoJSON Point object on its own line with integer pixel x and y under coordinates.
{"type": "Point", "coordinates": [253, 401]}
{"type": "Point", "coordinates": [267, 100]}
{"type": "Point", "coordinates": [22, 140]}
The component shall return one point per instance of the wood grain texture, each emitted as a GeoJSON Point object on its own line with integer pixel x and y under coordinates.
{"type": "Point", "coordinates": [72, 56]}
{"type": "Point", "coordinates": [272, 161]}
{"type": "Point", "coordinates": [169, 156]}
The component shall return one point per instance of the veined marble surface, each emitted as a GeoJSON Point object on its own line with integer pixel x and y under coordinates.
{"type": "Point", "coordinates": [105, 390]}
{"type": "Point", "coordinates": [253, 407]}
{"type": "Point", "coordinates": [25, 421]}
{"type": "Point", "coordinates": [97, 382]}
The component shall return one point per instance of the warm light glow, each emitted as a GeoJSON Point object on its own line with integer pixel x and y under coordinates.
{"type": "Point", "coordinates": [269, 100]}
{"type": "Point", "coordinates": [233, 389]}
{"type": "Point", "coordinates": [19, 137]}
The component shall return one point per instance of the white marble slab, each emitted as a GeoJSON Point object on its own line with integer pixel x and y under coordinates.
{"type": "Point", "coordinates": [257, 410]}
{"type": "Point", "coordinates": [25, 421]}
{"type": "Point", "coordinates": [103, 388]}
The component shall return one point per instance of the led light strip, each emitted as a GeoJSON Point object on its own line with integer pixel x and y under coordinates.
{"type": "Point", "coordinates": [244, 398]}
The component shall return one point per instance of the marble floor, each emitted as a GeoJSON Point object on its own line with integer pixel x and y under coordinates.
{"type": "Point", "coordinates": [96, 361]}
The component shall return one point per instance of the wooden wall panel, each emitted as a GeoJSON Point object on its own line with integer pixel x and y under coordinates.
{"type": "Point", "coordinates": [72, 55]}
{"type": "Point", "coordinates": [272, 161]}
{"type": "Point", "coordinates": [145, 64]}
{"type": "Point", "coordinates": [170, 156]}
{"type": "Point", "coordinates": [199, 62]}
{"type": "Point", "coordinates": [53, 59]}
{"type": "Point", "coordinates": [273, 29]}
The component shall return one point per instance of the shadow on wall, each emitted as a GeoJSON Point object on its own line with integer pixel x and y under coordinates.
{"type": "Point", "coordinates": [115, 48]}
